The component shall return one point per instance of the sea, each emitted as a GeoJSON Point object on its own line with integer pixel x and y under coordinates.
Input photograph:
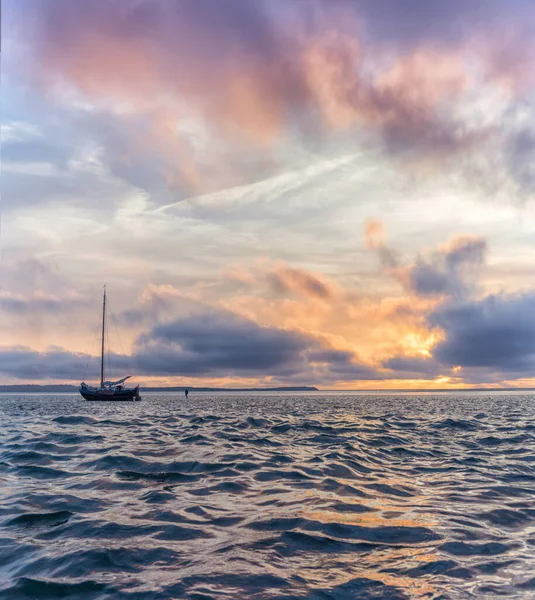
{"type": "Point", "coordinates": [311, 496]}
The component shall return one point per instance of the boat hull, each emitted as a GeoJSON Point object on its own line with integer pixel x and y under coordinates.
{"type": "Point", "coordinates": [111, 396]}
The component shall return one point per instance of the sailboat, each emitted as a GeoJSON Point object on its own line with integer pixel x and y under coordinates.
{"type": "Point", "coordinates": [108, 391]}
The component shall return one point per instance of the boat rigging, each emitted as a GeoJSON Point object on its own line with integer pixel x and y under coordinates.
{"type": "Point", "coordinates": [108, 391]}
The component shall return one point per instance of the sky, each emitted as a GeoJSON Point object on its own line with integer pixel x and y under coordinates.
{"type": "Point", "coordinates": [338, 193]}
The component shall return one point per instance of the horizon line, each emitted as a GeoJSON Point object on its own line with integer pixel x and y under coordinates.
{"type": "Point", "coordinates": [304, 388]}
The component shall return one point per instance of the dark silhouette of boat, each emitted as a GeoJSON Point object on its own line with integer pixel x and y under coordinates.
{"type": "Point", "coordinates": [108, 391]}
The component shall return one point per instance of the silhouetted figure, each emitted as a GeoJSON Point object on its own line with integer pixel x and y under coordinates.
{"type": "Point", "coordinates": [186, 392]}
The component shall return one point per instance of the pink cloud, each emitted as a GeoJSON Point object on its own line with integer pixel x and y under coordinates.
{"type": "Point", "coordinates": [252, 73]}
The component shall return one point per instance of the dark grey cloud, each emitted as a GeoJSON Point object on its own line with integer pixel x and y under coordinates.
{"type": "Point", "coordinates": [492, 339]}
{"type": "Point", "coordinates": [54, 364]}
{"type": "Point", "coordinates": [222, 344]}
{"type": "Point", "coordinates": [57, 364]}
{"type": "Point", "coordinates": [219, 344]}
{"type": "Point", "coordinates": [413, 367]}
{"type": "Point", "coordinates": [211, 344]}
{"type": "Point", "coordinates": [497, 332]}
{"type": "Point", "coordinates": [450, 271]}
{"type": "Point", "coordinates": [426, 279]}
{"type": "Point", "coordinates": [330, 356]}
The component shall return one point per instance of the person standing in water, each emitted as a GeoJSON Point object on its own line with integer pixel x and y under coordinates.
{"type": "Point", "coordinates": [186, 392]}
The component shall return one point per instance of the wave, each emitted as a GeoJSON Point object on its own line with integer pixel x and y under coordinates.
{"type": "Point", "coordinates": [26, 588]}
{"type": "Point", "coordinates": [39, 519]}
{"type": "Point", "coordinates": [268, 497]}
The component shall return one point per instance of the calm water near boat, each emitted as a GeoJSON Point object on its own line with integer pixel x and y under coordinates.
{"type": "Point", "coordinates": [243, 496]}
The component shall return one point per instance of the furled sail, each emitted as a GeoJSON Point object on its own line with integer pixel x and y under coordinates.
{"type": "Point", "coordinates": [114, 383]}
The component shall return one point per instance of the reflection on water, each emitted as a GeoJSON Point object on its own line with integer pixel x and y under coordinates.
{"type": "Point", "coordinates": [251, 496]}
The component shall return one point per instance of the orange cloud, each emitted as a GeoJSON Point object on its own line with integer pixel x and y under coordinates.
{"type": "Point", "coordinates": [370, 328]}
{"type": "Point", "coordinates": [284, 279]}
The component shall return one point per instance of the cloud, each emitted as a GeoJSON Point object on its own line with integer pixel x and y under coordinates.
{"type": "Point", "coordinates": [284, 279]}
{"type": "Point", "coordinates": [414, 367]}
{"type": "Point", "coordinates": [41, 303]}
{"type": "Point", "coordinates": [156, 303]}
{"type": "Point", "coordinates": [219, 343]}
{"type": "Point", "coordinates": [211, 344]}
{"type": "Point", "coordinates": [33, 273]}
{"type": "Point", "coordinates": [55, 364]}
{"type": "Point", "coordinates": [34, 151]}
{"type": "Point", "coordinates": [34, 290]}
{"type": "Point", "coordinates": [67, 160]}
{"type": "Point", "coordinates": [374, 234]}
{"type": "Point", "coordinates": [161, 65]}
{"type": "Point", "coordinates": [202, 95]}
{"type": "Point", "coordinates": [496, 332]}
{"type": "Point", "coordinates": [411, 103]}
{"type": "Point", "coordinates": [358, 322]}
{"type": "Point", "coordinates": [520, 159]}
{"type": "Point", "coordinates": [212, 89]}
{"type": "Point", "coordinates": [416, 22]}
{"type": "Point", "coordinates": [449, 271]}
{"type": "Point", "coordinates": [375, 239]}
{"type": "Point", "coordinates": [472, 341]}
{"type": "Point", "coordinates": [478, 337]}
{"type": "Point", "coordinates": [491, 340]}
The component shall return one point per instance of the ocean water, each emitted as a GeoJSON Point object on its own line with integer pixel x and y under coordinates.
{"type": "Point", "coordinates": [242, 496]}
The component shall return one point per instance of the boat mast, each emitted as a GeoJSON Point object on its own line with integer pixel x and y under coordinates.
{"type": "Point", "coordinates": [102, 349]}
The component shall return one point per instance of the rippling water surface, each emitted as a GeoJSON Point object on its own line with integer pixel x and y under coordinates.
{"type": "Point", "coordinates": [267, 496]}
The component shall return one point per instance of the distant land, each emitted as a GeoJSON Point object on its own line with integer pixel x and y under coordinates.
{"type": "Point", "coordinates": [73, 389]}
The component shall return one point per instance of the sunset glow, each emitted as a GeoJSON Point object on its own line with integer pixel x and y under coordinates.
{"type": "Point", "coordinates": [277, 192]}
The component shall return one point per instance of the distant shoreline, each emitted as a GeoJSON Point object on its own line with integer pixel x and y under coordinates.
{"type": "Point", "coordinates": [73, 389]}
{"type": "Point", "coordinates": [67, 389]}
